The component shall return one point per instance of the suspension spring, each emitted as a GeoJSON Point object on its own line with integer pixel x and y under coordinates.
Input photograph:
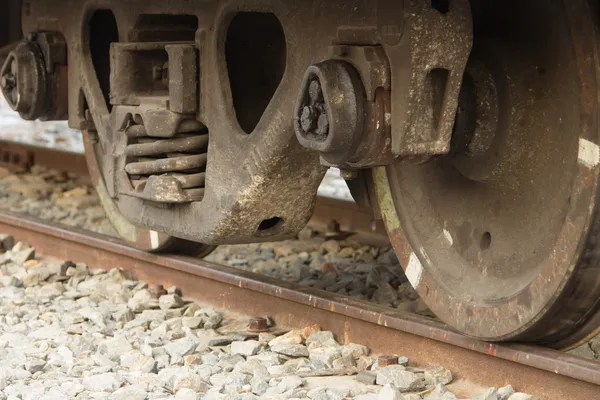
{"type": "Point", "coordinates": [168, 170]}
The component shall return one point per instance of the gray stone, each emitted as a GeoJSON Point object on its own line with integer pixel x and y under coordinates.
{"type": "Point", "coordinates": [140, 301]}
{"type": "Point", "coordinates": [367, 396]}
{"type": "Point", "coordinates": [331, 246]}
{"type": "Point", "coordinates": [246, 348]}
{"type": "Point", "coordinates": [20, 254]}
{"type": "Point", "coordinates": [259, 385]}
{"type": "Point", "coordinates": [107, 382]}
{"type": "Point", "coordinates": [505, 392]}
{"type": "Point", "coordinates": [114, 348]}
{"type": "Point", "coordinates": [385, 294]}
{"type": "Point", "coordinates": [187, 394]}
{"type": "Point", "coordinates": [132, 392]}
{"type": "Point", "coordinates": [355, 350]}
{"type": "Point", "coordinates": [322, 393]}
{"type": "Point", "coordinates": [489, 394]}
{"type": "Point", "coordinates": [438, 374]}
{"type": "Point", "coordinates": [292, 337]}
{"type": "Point", "coordinates": [191, 381]}
{"type": "Point", "coordinates": [286, 383]}
{"type": "Point", "coordinates": [389, 392]}
{"type": "Point", "coordinates": [292, 350]}
{"type": "Point", "coordinates": [6, 242]}
{"type": "Point", "coordinates": [440, 393]}
{"type": "Point", "coordinates": [168, 301]}
{"type": "Point", "coordinates": [136, 361]}
{"type": "Point", "coordinates": [213, 321]}
{"type": "Point", "coordinates": [321, 339]}
{"type": "Point", "coordinates": [34, 365]}
{"type": "Point", "coordinates": [180, 348]}
{"type": "Point", "coordinates": [405, 381]}
{"type": "Point", "coordinates": [54, 394]}
{"type": "Point", "coordinates": [153, 315]}
{"type": "Point", "coordinates": [192, 322]}
{"type": "Point", "coordinates": [521, 396]}
{"type": "Point", "coordinates": [323, 357]}
{"type": "Point", "coordinates": [344, 362]}
{"type": "Point", "coordinates": [124, 315]}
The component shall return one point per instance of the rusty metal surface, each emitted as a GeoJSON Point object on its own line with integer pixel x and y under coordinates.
{"type": "Point", "coordinates": [507, 249]}
{"type": "Point", "coordinates": [330, 215]}
{"type": "Point", "coordinates": [209, 62]}
{"type": "Point", "coordinates": [546, 373]}
{"type": "Point", "coordinates": [15, 157]}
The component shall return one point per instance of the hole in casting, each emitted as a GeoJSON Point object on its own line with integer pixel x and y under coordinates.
{"type": "Point", "coordinates": [270, 223]}
{"type": "Point", "coordinates": [486, 241]}
{"type": "Point", "coordinates": [255, 53]}
{"type": "Point", "coordinates": [443, 6]}
{"type": "Point", "coordinates": [102, 32]}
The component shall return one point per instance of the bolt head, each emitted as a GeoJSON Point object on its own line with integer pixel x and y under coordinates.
{"type": "Point", "coordinates": [323, 125]}
{"type": "Point", "coordinates": [315, 92]}
{"type": "Point", "coordinates": [259, 324]}
{"type": "Point", "coordinates": [308, 119]}
{"type": "Point", "coordinates": [384, 361]}
{"type": "Point", "coordinates": [7, 82]}
{"type": "Point", "coordinates": [156, 291]}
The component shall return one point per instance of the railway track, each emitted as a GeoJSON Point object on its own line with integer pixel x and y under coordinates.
{"type": "Point", "coordinates": [546, 373]}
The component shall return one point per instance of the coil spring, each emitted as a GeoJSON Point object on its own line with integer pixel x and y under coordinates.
{"type": "Point", "coordinates": [182, 157]}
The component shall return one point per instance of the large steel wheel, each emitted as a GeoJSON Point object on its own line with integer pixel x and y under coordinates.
{"type": "Point", "coordinates": [500, 237]}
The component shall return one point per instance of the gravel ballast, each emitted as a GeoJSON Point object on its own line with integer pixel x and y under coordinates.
{"type": "Point", "coordinates": [322, 261]}
{"type": "Point", "coordinates": [68, 332]}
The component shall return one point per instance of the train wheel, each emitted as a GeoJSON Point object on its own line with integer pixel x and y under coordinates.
{"type": "Point", "coordinates": [500, 237]}
{"type": "Point", "coordinates": [143, 239]}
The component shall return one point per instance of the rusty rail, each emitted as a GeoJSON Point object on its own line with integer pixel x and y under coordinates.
{"type": "Point", "coordinates": [546, 373]}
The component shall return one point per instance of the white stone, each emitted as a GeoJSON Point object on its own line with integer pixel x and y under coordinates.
{"type": "Point", "coordinates": [405, 381]}
{"type": "Point", "coordinates": [246, 348]}
{"type": "Point", "coordinates": [389, 392]}
{"type": "Point", "coordinates": [132, 392]}
{"type": "Point", "coordinates": [521, 396]}
{"type": "Point", "coordinates": [107, 382]}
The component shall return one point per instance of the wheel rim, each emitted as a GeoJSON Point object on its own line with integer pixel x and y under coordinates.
{"type": "Point", "coordinates": [140, 238]}
{"type": "Point", "coordinates": [499, 240]}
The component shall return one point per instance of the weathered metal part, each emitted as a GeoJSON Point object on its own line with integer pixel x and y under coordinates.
{"type": "Point", "coordinates": [23, 81]}
{"type": "Point", "coordinates": [428, 54]}
{"type": "Point", "coordinates": [330, 110]}
{"type": "Point", "coordinates": [510, 253]}
{"type": "Point", "coordinates": [547, 373]}
{"type": "Point", "coordinates": [173, 175]}
{"type": "Point", "coordinates": [15, 157]}
{"type": "Point", "coordinates": [21, 157]}
{"type": "Point", "coordinates": [179, 144]}
{"type": "Point", "coordinates": [259, 324]}
{"type": "Point", "coordinates": [167, 189]}
{"type": "Point", "coordinates": [156, 106]}
{"type": "Point", "coordinates": [361, 142]}
{"type": "Point", "coordinates": [346, 218]}
{"type": "Point", "coordinates": [33, 78]}
{"type": "Point", "coordinates": [256, 173]}
{"type": "Point", "coordinates": [140, 238]}
{"type": "Point", "coordinates": [167, 165]}
{"type": "Point", "coordinates": [384, 361]}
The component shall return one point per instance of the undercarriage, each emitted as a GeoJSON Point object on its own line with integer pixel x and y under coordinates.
{"type": "Point", "coordinates": [469, 127]}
